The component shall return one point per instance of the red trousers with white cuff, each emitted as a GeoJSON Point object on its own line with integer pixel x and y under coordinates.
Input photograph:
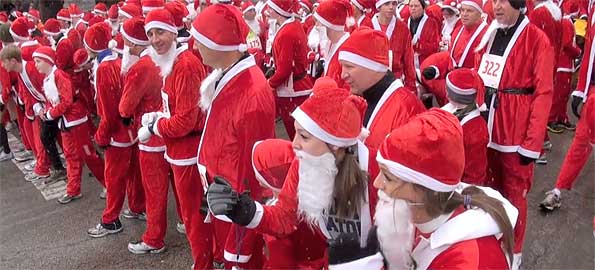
{"type": "Point", "coordinates": [562, 90]}
{"type": "Point", "coordinates": [198, 233]}
{"type": "Point", "coordinates": [122, 176]}
{"type": "Point", "coordinates": [513, 180]}
{"type": "Point", "coordinates": [581, 148]}
{"type": "Point", "coordinates": [285, 106]}
{"type": "Point", "coordinates": [78, 149]}
{"type": "Point", "coordinates": [154, 170]}
{"type": "Point", "coordinates": [242, 247]}
{"type": "Point", "coordinates": [21, 119]}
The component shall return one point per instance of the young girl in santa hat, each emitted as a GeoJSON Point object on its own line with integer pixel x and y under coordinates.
{"type": "Point", "coordinates": [325, 195]}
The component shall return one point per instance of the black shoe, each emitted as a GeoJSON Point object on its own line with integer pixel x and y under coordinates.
{"type": "Point", "coordinates": [103, 229]}
{"type": "Point", "coordinates": [567, 125]}
{"type": "Point", "coordinates": [554, 127]}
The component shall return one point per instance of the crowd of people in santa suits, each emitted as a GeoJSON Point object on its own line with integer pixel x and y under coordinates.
{"type": "Point", "coordinates": [151, 94]}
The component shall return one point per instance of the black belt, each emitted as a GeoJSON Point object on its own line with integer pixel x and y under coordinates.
{"type": "Point", "coordinates": [299, 76]}
{"type": "Point", "coordinates": [511, 91]}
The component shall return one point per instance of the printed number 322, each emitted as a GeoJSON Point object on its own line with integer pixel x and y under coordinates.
{"type": "Point", "coordinates": [491, 68]}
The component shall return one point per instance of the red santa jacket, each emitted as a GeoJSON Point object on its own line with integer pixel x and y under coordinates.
{"type": "Point", "coordinates": [585, 73]}
{"type": "Point", "coordinates": [569, 50]}
{"type": "Point", "coordinates": [401, 50]}
{"type": "Point", "coordinates": [141, 94]}
{"type": "Point", "coordinates": [60, 101]}
{"type": "Point", "coordinates": [308, 23]}
{"type": "Point", "coordinates": [569, 7]}
{"type": "Point", "coordinates": [182, 126]}
{"type": "Point", "coordinates": [546, 16]}
{"type": "Point", "coordinates": [426, 39]}
{"type": "Point", "coordinates": [364, 20]}
{"type": "Point", "coordinates": [64, 51]}
{"type": "Point", "coordinates": [290, 49]}
{"type": "Point", "coordinates": [524, 94]}
{"type": "Point", "coordinates": [31, 88]}
{"type": "Point", "coordinates": [464, 42]}
{"type": "Point", "coordinates": [27, 49]}
{"type": "Point", "coordinates": [332, 67]}
{"type": "Point", "coordinates": [111, 130]}
{"type": "Point", "coordinates": [5, 84]}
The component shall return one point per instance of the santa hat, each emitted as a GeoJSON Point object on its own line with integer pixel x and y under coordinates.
{"type": "Point", "coordinates": [178, 12]}
{"type": "Point", "coordinates": [75, 11]}
{"type": "Point", "coordinates": [80, 58]}
{"type": "Point", "coordinates": [133, 30]}
{"type": "Point", "coordinates": [247, 6]}
{"type": "Point", "coordinates": [382, 2]}
{"type": "Point", "coordinates": [46, 54]}
{"type": "Point", "coordinates": [335, 14]}
{"type": "Point", "coordinates": [150, 5]}
{"type": "Point", "coordinates": [19, 29]}
{"type": "Point", "coordinates": [161, 19]}
{"type": "Point", "coordinates": [271, 160]}
{"type": "Point", "coordinates": [117, 43]}
{"type": "Point", "coordinates": [285, 8]}
{"type": "Point", "coordinates": [450, 4]}
{"type": "Point", "coordinates": [364, 5]}
{"type": "Point", "coordinates": [100, 9]}
{"type": "Point", "coordinates": [130, 10]}
{"type": "Point", "coordinates": [51, 27]}
{"type": "Point", "coordinates": [462, 85]}
{"type": "Point", "coordinates": [3, 18]}
{"type": "Point", "coordinates": [97, 38]}
{"type": "Point", "coordinates": [96, 20]}
{"type": "Point", "coordinates": [222, 28]}
{"type": "Point", "coordinates": [477, 4]}
{"type": "Point", "coordinates": [86, 17]}
{"type": "Point", "coordinates": [133, 2]}
{"type": "Point", "coordinates": [112, 13]}
{"type": "Point", "coordinates": [427, 151]}
{"type": "Point", "coordinates": [332, 114]}
{"type": "Point", "coordinates": [28, 48]}
{"type": "Point", "coordinates": [34, 13]}
{"type": "Point", "coordinates": [368, 48]}
{"type": "Point", "coordinates": [306, 4]}
{"type": "Point", "coordinates": [64, 15]}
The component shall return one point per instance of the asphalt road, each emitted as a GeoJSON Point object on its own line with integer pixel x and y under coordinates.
{"type": "Point", "coordinates": [36, 233]}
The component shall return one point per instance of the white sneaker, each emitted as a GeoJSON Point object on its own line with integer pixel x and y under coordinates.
{"type": "Point", "coordinates": [24, 156]}
{"type": "Point", "coordinates": [103, 194]}
{"type": "Point", "coordinates": [181, 228]}
{"type": "Point", "coordinates": [32, 176]}
{"type": "Point", "coordinates": [139, 247]}
{"type": "Point", "coordinates": [6, 156]}
{"type": "Point", "coordinates": [31, 165]}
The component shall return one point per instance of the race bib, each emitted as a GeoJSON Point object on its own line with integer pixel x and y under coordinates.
{"type": "Point", "coordinates": [253, 41]}
{"type": "Point", "coordinates": [165, 100]}
{"type": "Point", "coordinates": [490, 69]}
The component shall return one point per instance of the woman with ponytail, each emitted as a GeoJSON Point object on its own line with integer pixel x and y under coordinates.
{"type": "Point", "coordinates": [325, 195]}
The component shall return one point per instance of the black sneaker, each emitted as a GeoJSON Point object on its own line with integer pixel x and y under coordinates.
{"type": "Point", "coordinates": [554, 127]}
{"type": "Point", "coordinates": [103, 229]}
{"type": "Point", "coordinates": [567, 125]}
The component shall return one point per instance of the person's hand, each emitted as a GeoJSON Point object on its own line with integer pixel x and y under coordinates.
{"type": "Point", "coordinates": [144, 134]}
{"type": "Point", "coordinates": [224, 200]}
{"type": "Point", "coordinates": [148, 118]}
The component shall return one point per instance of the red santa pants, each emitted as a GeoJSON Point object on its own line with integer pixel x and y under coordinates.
{"type": "Point", "coordinates": [78, 148]}
{"type": "Point", "coordinates": [562, 89]}
{"type": "Point", "coordinates": [199, 234]}
{"type": "Point", "coordinates": [20, 121]}
{"type": "Point", "coordinates": [285, 106]}
{"type": "Point", "coordinates": [579, 151]}
{"type": "Point", "coordinates": [121, 177]}
{"type": "Point", "coordinates": [514, 181]}
{"type": "Point", "coordinates": [154, 169]}
{"type": "Point", "coordinates": [281, 253]}
{"type": "Point", "coordinates": [42, 167]}
{"type": "Point", "coordinates": [243, 248]}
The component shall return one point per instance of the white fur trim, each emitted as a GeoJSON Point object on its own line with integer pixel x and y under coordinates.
{"type": "Point", "coordinates": [382, 2]}
{"type": "Point", "coordinates": [257, 216]}
{"type": "Point", "coordinates": [458, 90]}
{"type": "Point", "coordinates": [44, 56]}
{"type": "Point", "coordinates": [362, 61]}
{"type": "Point", "coordinates": [135, 40]}
{"type": "Point", "coordinates": [328, 24]}
{"type": "Point", "coordinates": [311, 126]}
{"type": "Point", "coordinates": [412, 176]}
{"type": "Point", "coordinates": [472, 4]}
{"type": "Point", "coordinates": [358, 5]}
{"type": "Point", "coordinates": [161, 25]}
{"type": "Point", "coordinates": [278, 9]}
{"type": "Point", "coordinates": [212, 45]}
{"type": "Point", "coordinates": [68, 19]}
{"type": "Point", "coordinates": [18, 37]}
{"type": "Point", "coordinates": [125, 14]}
{"type": "Point", "coordinates": [112, 44]}
{"type": "Point", "coordinates": [552, 8]}
{"type": "Point", "coordinates": [373, 262]}
{"type": "Point", "coordinates": [149, 9]}
{"type": "Point", "coordinates": [230, 257]}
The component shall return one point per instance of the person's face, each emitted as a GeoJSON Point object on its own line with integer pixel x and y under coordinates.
{"type": "Point", "coordinates": [250, 14]}
{"type": "Point", "coordinates": [470, 16]}
{"type": "Point", "coordinates": [134, 49]}
{"type": "Point", "coordinates": [447, 13]}
{"type": "Point", "coordinates": [161, 40]}
{"type": "Point", "coordinates": [11, 65]}
{"type": "Point", "coordinates": [504, 12]}
{"type": "Point", "coordinates": [395, 187]}
{"type": "Point", "coordinates": [209, 57]}
{"type": "Point", "coordinates": [359, 78]}
{"type": "Point", "coordinates": [306, 142]}
{"type": "Point", "coordinates": [42, 66]}
{"type": "Point", "coordinates": [416, 9]}
{"type": "Point", "coordinates": [388, 9]}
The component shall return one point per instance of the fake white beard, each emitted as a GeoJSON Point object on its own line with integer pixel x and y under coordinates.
{"type": "Point", "coordinates": [165, 62]}
{"type": "Point", "coordinates": [128, 60]}
{"type": "Point", "coordinates": [207, 89]}
{"type": "Point", "coordinates": [490, 33]}
{"type": "Point", "coordinates": [395, 231]}
{"type": "Point", "coordinates": [254, 26]}
{"type": "Point", "coordinates": [316, 185]}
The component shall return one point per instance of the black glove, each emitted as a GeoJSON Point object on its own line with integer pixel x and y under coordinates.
{"type": "Point", "coordinates": [204, 206]}
{"type": "Point", "coordinates": [223, 200]}
{"type": "Point", "coordinates": [429, 73]}
{"type": "Point", "coordinates": [127, 121]}
{"type": "Point", "coordinates": [525, 160]}
{"type": "Point", "coordinates": [346, 248]}
{"type": "Point", "coordinates": [319, 68]}
{"type": "Point", "coordinates": [270, 72]}
{"type": "Point", "coordinates": [576, 103]}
